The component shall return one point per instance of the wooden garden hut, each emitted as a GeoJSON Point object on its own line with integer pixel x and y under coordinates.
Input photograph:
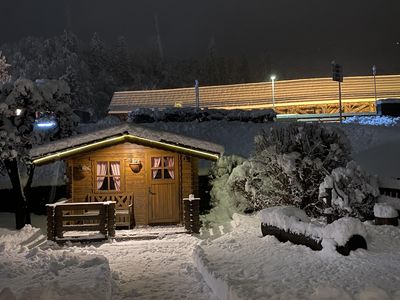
{"type": "Point", "coordinates": [152, 169]}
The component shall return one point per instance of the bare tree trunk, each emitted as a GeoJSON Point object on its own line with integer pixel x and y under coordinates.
{"type": "Point", "coordinates": [22, 215]}
{"type": "Point", "coordinates": [28, 191]}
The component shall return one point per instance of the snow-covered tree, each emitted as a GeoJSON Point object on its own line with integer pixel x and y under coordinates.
{"type": "Point", "coordinates": [289, 164]}
{"type": "Point", "coordinates": [4, 75]}
{"type": "Point", "coordinates": [353, 191]}
{"type": "Point", "coordinates": [20, 105]}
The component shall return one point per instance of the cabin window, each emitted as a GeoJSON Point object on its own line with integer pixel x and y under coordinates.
{"type": "Point", "coordinates": [108, 176]}
{"type": "Point", "coordinates": [163, 167]}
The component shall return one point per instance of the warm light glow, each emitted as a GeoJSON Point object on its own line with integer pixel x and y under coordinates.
{"type": "Point", "coordinates": [120, 139]}
{"type": "Point", "coordinates": [273, 77]}
{"type": "Point", "coordinates": [18, 112]}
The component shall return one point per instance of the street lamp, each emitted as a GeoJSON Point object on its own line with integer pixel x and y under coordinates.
{"type": "Point", "coordinates": [374, 73]}
{"type": "Point", "coordinates": [273, 77]}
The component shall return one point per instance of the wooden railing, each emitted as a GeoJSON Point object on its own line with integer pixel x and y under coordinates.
{"type": "Point", "coordinates": [123, 206]}
{"type": "Point", "coordinates": [391, 192]}
{"type": "Point", "coordinates": [80, 216]}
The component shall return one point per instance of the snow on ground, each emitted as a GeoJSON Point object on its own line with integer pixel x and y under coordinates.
{"type": "Point", "coordinates": [244, 265]}
{"type": "Point", "coordinates": [47, 272]}
{"type": "Point", "coordinates": [161, 268]}
{"type": "Point", "coordinates": [156, 269]}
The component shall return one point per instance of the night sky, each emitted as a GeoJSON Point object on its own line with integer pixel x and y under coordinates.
{"type": "Point", "coordinates": [297, 36]}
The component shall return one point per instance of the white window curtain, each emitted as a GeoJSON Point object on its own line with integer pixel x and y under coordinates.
{"type": "Point", "coordinates": [156, 163]}
{"type": "Point", "coordinates": [116, 172]}
{"type": "Point", "coordinates": [169, 163]}
{"type": "Point", "coordinates": [101, 172]}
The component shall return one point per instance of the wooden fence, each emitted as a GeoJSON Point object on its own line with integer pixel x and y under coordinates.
{"type": "Point", "coordinates": [80, 216]}
{"type": "Point", "coordinates": [310, 96]}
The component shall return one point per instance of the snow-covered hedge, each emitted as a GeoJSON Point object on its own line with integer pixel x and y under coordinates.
{"type": "Point", "coordinates": [296, 221]}
{"type": "Point", "coordinates": [189, 114]}
{"type": "Point", "coordinates": [354, 192]}
{"type": "Point", "coordinates": [374, 120]}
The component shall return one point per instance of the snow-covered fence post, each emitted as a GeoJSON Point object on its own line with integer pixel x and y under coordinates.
{"type": "Point", "coordinates": [50, 222]}
{"type": "Point", "coordinates": [385, 214]}
{"type": "Point", "coordinates": [111, 219]}
{"type": "Point", "coordinates": [191, 214]}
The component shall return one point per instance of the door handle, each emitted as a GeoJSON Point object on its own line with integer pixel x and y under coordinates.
{"type": "Point", "coordinates": [150, 192]}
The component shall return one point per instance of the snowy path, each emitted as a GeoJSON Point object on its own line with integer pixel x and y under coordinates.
{"type": "Point", "coordinates": [155, 269]}
{"type": "Point", "coordinates": [137, 269]}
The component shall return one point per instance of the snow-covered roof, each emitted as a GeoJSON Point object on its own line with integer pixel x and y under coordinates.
{"type": "Point", "coordinates": [124, 133]}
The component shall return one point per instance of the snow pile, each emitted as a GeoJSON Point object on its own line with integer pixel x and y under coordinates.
{"type": "Point", "coordinates": [244, 265]}
{"type": "Point", "coordinates": [13, 240]}
{"type": "Point", "coordinates": [50, 272]}
{"type": "Point", "coordinates": [295, 220]}
{"type": "Point", "coordinates": [385, 210]}
{"type": "Point", "coordinates": [343, 229]}
{"type": "Point", "coordinates": [190, 114]}
{"type": "Point", "coordinates": [373, 120]}
{"type": "Point", "coordinates": [394, 202]}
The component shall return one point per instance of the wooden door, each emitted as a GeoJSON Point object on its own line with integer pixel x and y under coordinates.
{"type": "Point", "coordinates": [163, 188]}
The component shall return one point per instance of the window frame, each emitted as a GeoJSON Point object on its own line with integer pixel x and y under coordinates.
{"type": "Point", "coordinates": [163, 168]}
{"type": "Point", "coordinates": [121, 176]}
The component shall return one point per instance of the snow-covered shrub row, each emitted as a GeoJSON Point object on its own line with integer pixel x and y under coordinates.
{"type": "Point", "coordinates": [354, 192]}
{"type": "Point", "coordinates": [374, 120]}
{"type": "Point", "coordinates": [189, 114]}
{"type": "Point", "coordinates": [288, 166]}
{"type": "Point", "coordinates": [296, 221]}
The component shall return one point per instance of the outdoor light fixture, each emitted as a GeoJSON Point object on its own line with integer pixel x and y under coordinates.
{"type": "Point", "coordinates": [45, 120]}
{"type": "Point", "coordinates": [46, 124]}
{"type": "Point", "coordinates": [273, 77]}
{"type": "Point", "coordinates": [18, 111]}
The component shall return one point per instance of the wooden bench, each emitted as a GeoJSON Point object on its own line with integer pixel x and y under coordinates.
{"type": "Point", "coordinates": [123, 207]}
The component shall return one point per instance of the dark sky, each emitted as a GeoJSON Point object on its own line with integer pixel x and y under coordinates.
{"type": "Point", "coordinates": [296, 35]}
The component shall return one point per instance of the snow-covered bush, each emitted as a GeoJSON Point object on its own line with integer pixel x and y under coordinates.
{"type": "Point", "coordinates": [223, 201]}
{"type": "Point", "coordinates": [288, 166]}
{"type": "Point", "coordinates": [354, 192]}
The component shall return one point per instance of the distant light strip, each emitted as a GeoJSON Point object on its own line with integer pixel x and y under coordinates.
{"type": "Point", "coordinates": [123, 138]}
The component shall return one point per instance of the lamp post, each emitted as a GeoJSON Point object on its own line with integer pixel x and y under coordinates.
{"type": "Point", "coordinates": [374, 73]}
{"type": "Point", "coordinates": [273, 77]}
